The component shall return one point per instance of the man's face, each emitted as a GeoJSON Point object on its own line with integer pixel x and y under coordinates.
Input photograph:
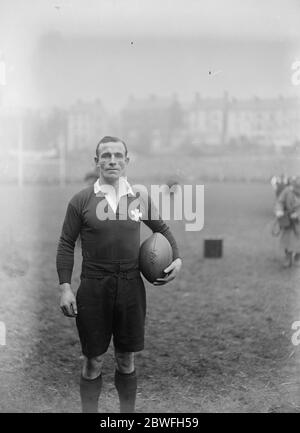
{"type": "Point", "coordinates": [112, 161]}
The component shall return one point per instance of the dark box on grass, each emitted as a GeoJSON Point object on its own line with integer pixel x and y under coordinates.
{"type": "Point", "coordinates": [213, 248]}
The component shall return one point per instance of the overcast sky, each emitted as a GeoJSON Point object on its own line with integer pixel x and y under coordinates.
{"type": "Point", "coordinates": [59, 51]}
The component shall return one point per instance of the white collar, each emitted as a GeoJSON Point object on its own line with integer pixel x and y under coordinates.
{"type": "Point", "coordinates": [124, 187]}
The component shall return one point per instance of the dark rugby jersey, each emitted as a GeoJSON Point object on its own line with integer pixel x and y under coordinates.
{"type": "Point", "coordinates": [106, 237]}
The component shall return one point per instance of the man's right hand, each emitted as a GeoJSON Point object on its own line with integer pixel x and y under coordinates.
{"type": "Point", "coordinates": [68, 301]}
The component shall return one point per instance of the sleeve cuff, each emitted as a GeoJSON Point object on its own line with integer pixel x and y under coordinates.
{"type": "Point", "coordinates": [64, 276]}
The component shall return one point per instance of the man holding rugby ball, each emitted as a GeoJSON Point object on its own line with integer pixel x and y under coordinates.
{"type": "Point", "coordinates": [111, 299]}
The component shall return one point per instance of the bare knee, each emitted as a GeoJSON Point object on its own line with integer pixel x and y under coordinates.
{"type": "Point", "coordinates": [124, 362]}
{"type": "Point", "coordinates": [92, 367]}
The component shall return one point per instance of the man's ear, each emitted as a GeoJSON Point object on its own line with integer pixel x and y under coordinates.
{"type": "Point", "coordinates": [96, 159]}
{"type": "Point", "coordinates": [127, 159]}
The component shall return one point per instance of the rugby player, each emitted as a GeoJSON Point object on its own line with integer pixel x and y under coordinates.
{"type": "Point", "coordinates": [110, 301]}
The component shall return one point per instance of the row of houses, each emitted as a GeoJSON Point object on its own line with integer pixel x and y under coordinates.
{"type": "Point", "coordinates": [214, 121]}
{"type": "Point", "coordinates": [158, 124]}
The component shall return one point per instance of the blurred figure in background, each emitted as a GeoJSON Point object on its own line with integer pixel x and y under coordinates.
{"type": "Point", "coordinates": [287, 212]}
{"type": "Point", "coordinates": [91, 177]}
{"type": "Point", "coordinates": [279, 183]}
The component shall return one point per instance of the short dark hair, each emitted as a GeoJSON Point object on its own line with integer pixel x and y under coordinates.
{"type": "Point", "coordinates": [109, 139]}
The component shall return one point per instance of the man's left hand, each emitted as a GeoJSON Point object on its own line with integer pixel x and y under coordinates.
{"type": "Point", "coordinates": [172, 271]}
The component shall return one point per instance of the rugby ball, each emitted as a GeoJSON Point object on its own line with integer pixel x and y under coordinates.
{"type": "Point", "coordinates": [155, 255]}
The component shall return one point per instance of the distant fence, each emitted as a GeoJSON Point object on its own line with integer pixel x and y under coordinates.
{"type": "Point", "coordinates": [56, 166]}
{"type": "Point", "coordinates": [22, 167]}
{"type": "Point", "coordinates": [159, 169]}
{"type": "Point", "coordinates": [216, 168]}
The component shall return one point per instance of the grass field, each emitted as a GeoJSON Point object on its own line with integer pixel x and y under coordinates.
{"type": "Point", "coordinates": [218, 339]}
